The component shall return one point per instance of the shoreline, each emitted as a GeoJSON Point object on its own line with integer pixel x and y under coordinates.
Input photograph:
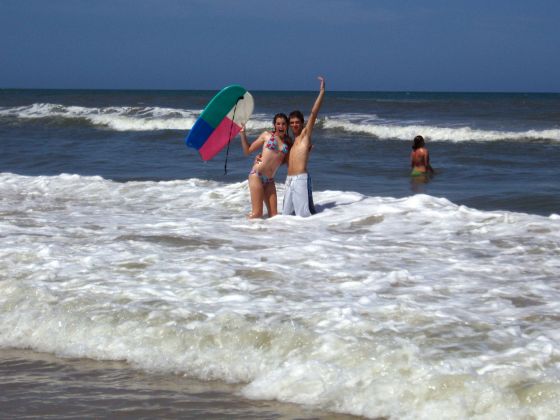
{"type": "Point", "coordinates": [37, 384]}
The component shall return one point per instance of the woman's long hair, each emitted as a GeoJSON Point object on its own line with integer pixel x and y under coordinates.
{"type": "Point", "coordinates": [418, 142]}
{"type": "Point", "coordinates": [279, 115]}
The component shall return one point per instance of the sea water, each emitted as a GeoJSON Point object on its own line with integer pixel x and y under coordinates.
{"type": "Point", "coordinates": [398, 299]}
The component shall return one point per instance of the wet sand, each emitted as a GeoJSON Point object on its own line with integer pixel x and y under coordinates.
{"type": "Point", "coordinates": [42, 385]}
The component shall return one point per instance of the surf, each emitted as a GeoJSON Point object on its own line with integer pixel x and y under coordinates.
{"type": "Point", "coordinates": [385, 130]}
{"type": "Point", "coordinates": [439, 305]}
{"type": "Point", "coordinates": [149, 118]}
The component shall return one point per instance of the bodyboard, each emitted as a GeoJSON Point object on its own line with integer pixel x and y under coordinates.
{"type": "Point", "coordinates": [220, 121]}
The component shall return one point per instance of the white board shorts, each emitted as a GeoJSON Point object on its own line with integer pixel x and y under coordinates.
{"type": "Point", "coordinates": [298, 197]}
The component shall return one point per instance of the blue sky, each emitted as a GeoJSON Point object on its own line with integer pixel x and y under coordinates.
{"type": "Point", "coordinates": [389, 45]}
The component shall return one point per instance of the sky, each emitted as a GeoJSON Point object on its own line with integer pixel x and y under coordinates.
{"type": "Point", "coordinates": [357, 45]}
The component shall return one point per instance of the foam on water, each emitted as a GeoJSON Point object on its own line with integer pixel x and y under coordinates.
{"type": "Point", "coordinates": [375, 306]}
{"type": "Point", "coordinates": [357, 123]}
{"type": "Point", "coordinates": [157, 118]}
{"type": "Point", "coordinates": [117, 118]}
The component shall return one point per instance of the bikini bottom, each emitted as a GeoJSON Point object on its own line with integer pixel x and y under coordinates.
{"type": "Point", "coordinates": [264, 179]}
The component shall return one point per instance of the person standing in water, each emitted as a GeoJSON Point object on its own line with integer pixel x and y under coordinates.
{"type": "Point", "coordinates": [420, 158]}
{"type": "Point", "coordinates": [298, 198]}
{"type": "Point", "coordinates": [275, 147]}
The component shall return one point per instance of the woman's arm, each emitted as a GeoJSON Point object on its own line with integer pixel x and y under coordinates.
{"type": "Point", "coordinates": [428, 166]}
{"type": "Point", "coordinates": [244, 142]}
{"type": "Point", "coordinates": [250, 148]}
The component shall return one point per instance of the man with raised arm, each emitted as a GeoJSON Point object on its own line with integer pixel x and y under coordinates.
{"type": "Point", "coordinates": [298, 197]}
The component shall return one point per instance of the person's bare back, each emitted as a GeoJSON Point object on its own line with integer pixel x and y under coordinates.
{"type": "Point", "coordinates": [419, 159]}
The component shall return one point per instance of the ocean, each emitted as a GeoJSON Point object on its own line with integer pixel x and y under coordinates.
{"type": "Point", "coordinates": [132, 284]}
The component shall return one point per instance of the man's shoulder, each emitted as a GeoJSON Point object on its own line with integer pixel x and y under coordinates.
{"type": "Point", "coordinates": [303, 136]}
{"type": "Point", "coordinates": [301, 140]}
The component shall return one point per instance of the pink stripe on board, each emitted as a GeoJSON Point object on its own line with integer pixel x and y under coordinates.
{"type": "Point", "coordinates": [219, 138]}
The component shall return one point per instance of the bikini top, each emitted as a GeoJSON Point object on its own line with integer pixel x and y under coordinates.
{"type": "Point", "coordinates": [272, 144]}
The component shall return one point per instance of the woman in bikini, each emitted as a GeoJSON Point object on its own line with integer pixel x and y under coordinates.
{"type": "Point", "coordinates": [275, 146]}
{"type": "Point", "coordinates": [420, 158]}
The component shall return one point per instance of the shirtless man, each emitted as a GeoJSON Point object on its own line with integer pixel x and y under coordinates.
{"type": "Point", "coordinates": [298, 197]}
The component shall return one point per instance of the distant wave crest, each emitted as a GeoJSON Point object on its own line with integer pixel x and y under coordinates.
{"type": "Point", "coordinates": [150, 118]}
{"type": "Point", "coordinates": [385, 130]}
{"type": "Point", "coordinates": [120, 118]}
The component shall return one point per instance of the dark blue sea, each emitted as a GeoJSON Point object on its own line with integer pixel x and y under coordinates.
{"type": "Point", "coordinates": [131, 283]}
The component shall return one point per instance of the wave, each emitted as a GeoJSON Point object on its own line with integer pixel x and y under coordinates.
{"type": "Point", "coordinates": [120, 118]}
{"type": "Point", "coordinates": [127, 118]}
{"type": "Point", "coordinates": [347, 310]}
{"type": "Point", "coordinates": [386, 131]}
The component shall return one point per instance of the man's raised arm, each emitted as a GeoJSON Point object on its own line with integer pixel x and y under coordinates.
{"type": "Point", "coordinates": [316, 106]}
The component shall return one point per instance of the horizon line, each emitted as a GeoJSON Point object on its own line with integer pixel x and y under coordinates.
{"type": "Point", "coordinates": [279, 90]}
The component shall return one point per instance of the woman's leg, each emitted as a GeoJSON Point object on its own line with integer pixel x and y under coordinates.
{"type": "Point", "coordinates": [257, 194]}
{"type": "Point", "coordinates": [271, 199]}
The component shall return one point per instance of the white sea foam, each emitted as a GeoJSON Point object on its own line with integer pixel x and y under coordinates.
{"type": "Point", "coordinates": [116, 118]}
{"type": "Point", "coordinates": [355, 123]}
{"type": "Point", "coordinates": [159, 118]}
{"type": "Point", "coordinates": [405, 308]}
{"type": "Point", "coordinates": [122, 118]}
